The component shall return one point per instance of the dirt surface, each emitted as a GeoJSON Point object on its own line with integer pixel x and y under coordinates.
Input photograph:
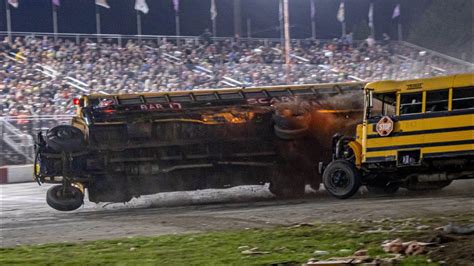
{"type": "Point", "coordinates": [26, 219]}
{"type": "Point", "coordinates": [457, 252]}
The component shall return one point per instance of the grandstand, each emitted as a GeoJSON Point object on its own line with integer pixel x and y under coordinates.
{"type": "Point", "coordinates": [41, 74]}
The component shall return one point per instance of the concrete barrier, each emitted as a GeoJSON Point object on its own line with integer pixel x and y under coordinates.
{"type": "Point", "coordinates": [16, 174]}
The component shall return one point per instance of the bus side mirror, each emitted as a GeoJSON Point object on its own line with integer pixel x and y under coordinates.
{"type": "Point", "coordinates": [371, 99]}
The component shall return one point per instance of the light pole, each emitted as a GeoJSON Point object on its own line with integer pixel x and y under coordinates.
{"type": "Point", "coordinates": [286, 16]}
{"type": "Point", "coordinates": [9, 22]}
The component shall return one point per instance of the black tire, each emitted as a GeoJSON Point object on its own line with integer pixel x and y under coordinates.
{"type": "Point", "coordinates": [65, 138]}
{"type": "Point", "coordinates": [292, 127]}
{"type": "Point", "coordinates": [68, 200]}
{"type": "Point", "coordinates": [384, 190]}
{"type": "Point", "coordinates": [290, 134]}
{"type": "Point", "coordinates": [341, 179]}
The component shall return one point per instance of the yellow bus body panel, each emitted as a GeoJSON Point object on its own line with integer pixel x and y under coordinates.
{"type": "Point", "coordinates": [431, 133]}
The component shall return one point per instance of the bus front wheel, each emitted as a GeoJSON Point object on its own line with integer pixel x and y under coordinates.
{"type": "Point", "coordinates": [341, 179]}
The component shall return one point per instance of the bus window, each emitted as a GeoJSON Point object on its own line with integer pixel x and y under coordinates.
{"type": "Point", "coordinates": [410, 103]}
{"type": "Point", "coordinates": [463, 98]}
{"type": "Point", "coordinates": [384, 104]}
{"type": "Point", "coordinates": [437, 101]}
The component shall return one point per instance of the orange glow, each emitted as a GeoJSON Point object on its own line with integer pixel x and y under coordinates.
{"type": "Point", "coordinates": [333, 111]}
{"type": "Point", "coordinates": [227, 117]}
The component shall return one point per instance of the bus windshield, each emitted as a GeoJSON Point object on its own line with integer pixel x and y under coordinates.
{"type": "Point", "coordinates": [383, 104]}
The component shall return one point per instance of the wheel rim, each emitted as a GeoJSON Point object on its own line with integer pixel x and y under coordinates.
{"type": "Point", "coordinates": [64, 134]}
{"type": "Point", "coordinates": [65, 194]}
{"type": "Point", "coordinates": [340, 182]}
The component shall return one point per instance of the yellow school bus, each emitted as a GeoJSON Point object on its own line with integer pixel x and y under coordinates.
{"type": "Point", "coordinates": [125, 145]}
{"type": "Point", "coordinates": [417, 134]}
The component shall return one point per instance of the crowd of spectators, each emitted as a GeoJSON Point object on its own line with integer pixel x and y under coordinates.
{"type": "Point", "coordinates": [34, 70]}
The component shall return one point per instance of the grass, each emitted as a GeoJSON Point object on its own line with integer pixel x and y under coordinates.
{"type": "Point", "coordinates": [284, 244]}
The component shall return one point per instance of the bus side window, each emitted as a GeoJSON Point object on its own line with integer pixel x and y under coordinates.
{"type": "Point", "coordinates": [437, 101]}
{"type": "Point", "coordinates": [410, 103]}
{"type": "Point", "coordinates": [463, 98]}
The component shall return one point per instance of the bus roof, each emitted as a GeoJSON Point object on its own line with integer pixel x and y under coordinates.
{"type": "Point", "coordinates": [413, 85]}
{"type": "Point", "coordinates": [332, 86]}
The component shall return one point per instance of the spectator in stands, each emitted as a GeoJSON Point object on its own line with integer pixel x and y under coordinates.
{"type": "Point", "coordinates": [45, 75]}
{"type": "Point", "coordinates": [206, 36]}
{"type": "Point", "coordinates": [385, 39]}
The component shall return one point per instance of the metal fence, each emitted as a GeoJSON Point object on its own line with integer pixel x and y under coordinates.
{"type": "Point", "coordinates": [17, 136]}
{"type": "Point", "coordinates": [122, 39]}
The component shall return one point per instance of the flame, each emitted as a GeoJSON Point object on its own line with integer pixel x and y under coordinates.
{"type": "Point", "coordinates": [227, 117]}
{"type": "Point", "coordinates": [329, 111]}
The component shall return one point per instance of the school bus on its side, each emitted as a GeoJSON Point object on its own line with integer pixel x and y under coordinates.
{"type": "Point", "coordinates": [126, 145]}
{"type": "Point", "coordinates": [417, 134]}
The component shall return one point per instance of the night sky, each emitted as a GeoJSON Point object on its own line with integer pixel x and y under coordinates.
{"type": "Point", "coordinates": [78, 16]}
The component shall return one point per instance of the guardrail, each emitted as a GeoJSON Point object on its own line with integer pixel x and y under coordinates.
{"type": "Point", "coordinates": [174, 38]}
{"type": "Point", "coordinates": [20, 142]}
{"type": "Point", "coordinates": [438, 54]}
{"type": "Point", "coordinates": [120, 38]}
{"type": "Point", "coordinates": [16, 174]}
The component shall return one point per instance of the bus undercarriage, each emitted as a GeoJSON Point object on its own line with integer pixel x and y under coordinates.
{"type": "Point", "coordinates": [123, 154]}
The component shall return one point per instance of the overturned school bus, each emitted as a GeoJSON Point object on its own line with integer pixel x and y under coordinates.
{"type": "Point", "coordinates": [417, 134]}
{"type": "Point", "coordinates": [123, 146]}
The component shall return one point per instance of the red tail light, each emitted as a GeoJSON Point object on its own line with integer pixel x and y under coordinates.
{"type": "Point", "coordinates": [109, 111]}
{"type": "Point", "coordinates": [76, 101]}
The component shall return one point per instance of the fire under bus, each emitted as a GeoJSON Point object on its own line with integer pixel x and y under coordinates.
{"type": "Point", "coordinates": [123, 146]}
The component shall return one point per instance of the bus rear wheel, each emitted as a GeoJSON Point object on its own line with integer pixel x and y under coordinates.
{"type": "Point", "coordinates": [341, 179]}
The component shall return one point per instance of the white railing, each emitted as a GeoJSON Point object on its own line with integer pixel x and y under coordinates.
{"type": "Point", "coordinates": [121, 38]}
{"type": "Point", "coordinates": [16, 134]}
{"type": "Point", "coordinates": [18, 141]}
{"type": "Point", "coordinates": [438, 54]}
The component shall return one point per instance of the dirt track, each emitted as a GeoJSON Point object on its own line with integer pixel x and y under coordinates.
{"type": "Point", "coordinates": [26, 219]}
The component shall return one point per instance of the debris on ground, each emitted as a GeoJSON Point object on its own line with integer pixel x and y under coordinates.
{"type": "Point", "coordinates": [344, 250]}
{"type": "Point", "coordinates": [394, 246]}
{"type": "Point", "coordinates": [330, 262]}
{"type": "Point", "coordinates": [320, 252]}
{"type": "Point", "coordinates": [254, 251]}
{"type": "Point", "coordinates": [359, 257]}
{"type": "Point", "coordinates": [409, 248]}
{"type": "Point", "coordinates": [397, 249]}
{"type": "Point", "coordinates": [422, 227]}
{"type": "Point", "coordinates": [356, 260]}
{"type": "Point", "coordinates": [442, 238]}
{"type": "Point", "coordinates": [361, 252]}
{"type": "Point", "coordinates": [302, 225]}
{"type": "Point", "coordinates": [451, 228]}
{"type": "Point", "coordinates": [415, 248]}
{"type": "Point", "coordinates": [336, 261]}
